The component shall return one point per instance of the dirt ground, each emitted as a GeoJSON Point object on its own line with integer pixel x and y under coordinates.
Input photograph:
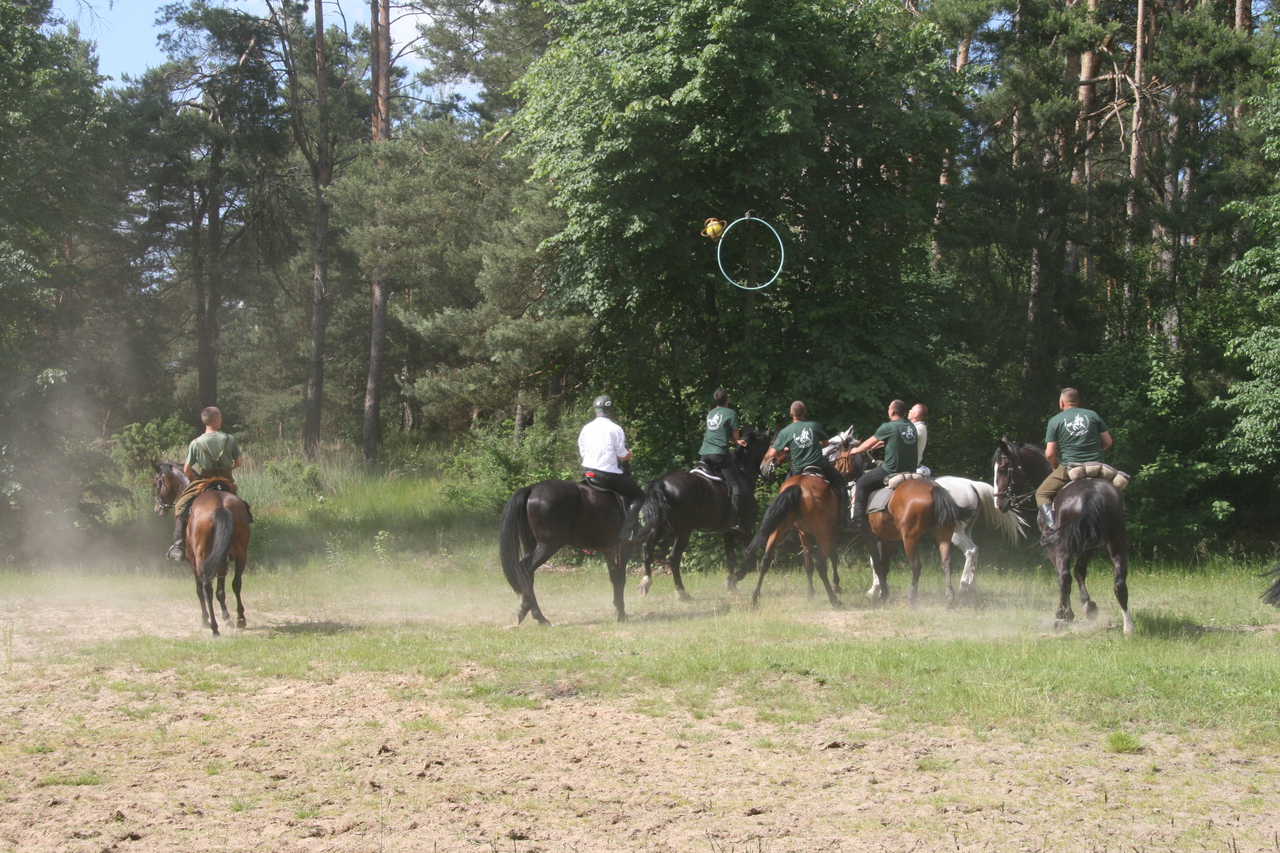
{"type": "Point", "coordinates": [382, 763]}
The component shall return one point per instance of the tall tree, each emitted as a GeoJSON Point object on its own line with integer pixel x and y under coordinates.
{"type": "Point", "coordinates": [380, 66]}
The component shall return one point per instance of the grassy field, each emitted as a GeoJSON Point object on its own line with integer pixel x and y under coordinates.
{"type": "Point", "coordinates": [394, 606]}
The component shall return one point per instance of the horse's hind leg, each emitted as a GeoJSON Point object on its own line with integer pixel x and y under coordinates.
{"type": "Point", "coordinates": [206, 611]}
{"type": "Point", "coordinates": [235, 587]}
{"type": "Point", "coordinates": [529, 565]}
{"type": "Point", "coordinates": [222, 593]}
{"type": "Point", "coordinates": [677, 554]}
{"type": "Point", "coordinates": [617, 560]}
{"type": "Point", "coordinates": [1081, 569]}
{"type": "Point", "coordinates": [646, 551]}
{"type": "Point", "coordinates": [969, 576]}
{"type": "Point", "coordinates": [1119, 562]}
{"type": "Point", "coordinates": [944, 555]}
{"type": "Point", "coordinates": [1065, 616]}
{"type": "Point", "coordinates": [809, 545]}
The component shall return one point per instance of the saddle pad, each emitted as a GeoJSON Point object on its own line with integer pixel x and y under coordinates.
{"type": "Point", "coordinates": [813, 471]}
{"type": "Point", "coordinates": [1099, 471]}
{"type": "Point", "coordinates": [898, 479]}
{"type": "Point", "coordinates": [879, 500]}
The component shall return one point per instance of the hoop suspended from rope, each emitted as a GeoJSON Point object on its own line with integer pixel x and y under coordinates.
{"type": "Point", "coordinates": [782, 251]}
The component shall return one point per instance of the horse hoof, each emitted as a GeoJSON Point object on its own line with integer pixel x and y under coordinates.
{"type": "Point", "coordinates": [1061, 624]}
{"type": "Point", "coordinates": [622, 617]}
{"type": "Point", "coordinates": [731, 583]}
{"type": "Point", "coordinates": [683, 596]}
{"type": "Point", "coordinates": [1091, 610]}
{"type": "Point", "coordinates": [240, 623]}
{"type": "Point", "coordinates": [643, 586]}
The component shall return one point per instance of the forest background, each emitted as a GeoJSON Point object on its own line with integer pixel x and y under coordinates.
{"type": "Point", "coordinates": [981, 201]}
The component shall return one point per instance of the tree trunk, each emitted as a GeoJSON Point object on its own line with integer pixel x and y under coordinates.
{"type": "Point", "coordinates": [381, 132]}
{"type": "Point", "coordinates": [322, 175]}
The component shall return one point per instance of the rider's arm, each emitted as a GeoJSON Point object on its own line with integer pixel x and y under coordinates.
{"type": "Point", "coordinates": [1105, 438]}
{"type": "Point", "coordinates": [1051, 453]}
{"type": "Point", "coordinates": [738, 439]}
{"type": "Point", "coordinates": [239, 461]}
{"type": "Point", "coordinates": [869, 445]}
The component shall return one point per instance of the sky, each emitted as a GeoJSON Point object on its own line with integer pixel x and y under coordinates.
{"type": "Point", "coordinates": [125, 30]}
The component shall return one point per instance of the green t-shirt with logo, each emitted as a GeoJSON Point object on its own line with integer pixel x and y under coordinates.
{"type": "Point", "coordinates": [721, 424]}
{"type": "Point", "coordinates": [804, 438]}
{"type": "Point", "coordinates": [900, 448]}
{"type": "Point", "coordinates": [213, 451]}
{"type": "Point", "coordinates": [1078, 433]}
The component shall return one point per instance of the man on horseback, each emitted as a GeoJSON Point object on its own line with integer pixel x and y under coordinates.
{"type": "Point", "coordinates": [898, 438]}
{"type": "Point", "coordinates": [603, 445]}
{"type": "Point", "coordinates": [723, 432]}
{"type": "Point", "coordinates": [804, 439]}
{"type": "Point", "coordinates": [1074, 436]}
{"type": "Point", "coordinates": [213, 455]}
{"type": "Point", "coordinates": [917, 416]}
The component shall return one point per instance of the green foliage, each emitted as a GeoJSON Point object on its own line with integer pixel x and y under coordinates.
{"type": "Point", "coordinates": [295, 477]}
{"type": "Point", "coordinates": [489, 464]}
{"type": "Point", "coordinates": [139, 445]}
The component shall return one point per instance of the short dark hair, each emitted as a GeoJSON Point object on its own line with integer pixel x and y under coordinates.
{"type": "Point", "coordinates": [899, 408]}
{"type": "Point", "coordinates": [209, 415]}
{"type": "Point", "coordinates": [1071, 395]}
{"type": "Point", "coordinates": [720, 397]}
{"type": "Point", "coordinates": [798, 410]}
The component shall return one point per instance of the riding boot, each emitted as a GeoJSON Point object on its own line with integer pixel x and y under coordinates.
{"type": "Point", "coordinates": [1047, 522]}
{"type": "Point", "coordinates": [631, 527]}
{"type": "Point", "coordinates": [178, 550]}
{"type": "Point", "coordinates": [859, 520]}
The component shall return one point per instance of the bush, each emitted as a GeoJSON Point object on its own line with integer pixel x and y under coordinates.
{"type": "Point", "coordinates": [138, 445]}
{"type": "Point", "coordinates": [488, 464]}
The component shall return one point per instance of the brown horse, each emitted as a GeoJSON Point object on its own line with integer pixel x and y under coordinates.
{"type": "Point", "coordinates": [541, 519]}
{"type": "Point", "coordinates": [916, 507]}
{"type": "Point", "coordinates": [217, 528]}
{"type": "Point", "coordinates": [806, 503]}
{"type": "Point", "coordinates": [1091, 518]}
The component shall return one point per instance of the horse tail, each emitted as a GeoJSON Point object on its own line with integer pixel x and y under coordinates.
{"type": "Point", "coordinates": [787, 501]}
{"type": "Point", "coordinates": [1272, 595]}
{"type": "Point", "coordinates": [224, 528]}
{"type": "Point", "coordinates": [1090, 526]}
{"type": "Point", "coordinates": [656, 508]}
{"type": "Point", "coordinates": [514, 525]}
{"type": "Point", "coordinates": [1012, 525]}
{"type": "Point", "coordinates": [946, 512]}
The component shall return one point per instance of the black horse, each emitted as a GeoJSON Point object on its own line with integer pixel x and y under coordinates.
{"type": "Point", "coordinates": [541, 519]}
{"type": "Point", "coordinates": [1091, 518]}
{"type": "Point", "coordinates": [681, 502]}
{"type": "Point", "coordinates": [1272, 595]}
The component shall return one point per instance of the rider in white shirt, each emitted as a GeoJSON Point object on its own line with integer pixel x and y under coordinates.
{"type": "Point", "coordinates": [917, 415]}
{"type": "Point", "coordinates": [603, 446]}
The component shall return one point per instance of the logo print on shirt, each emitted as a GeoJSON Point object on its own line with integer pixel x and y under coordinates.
{"type": "Point", "coordinates": [713, 421]}
{"type": "Point", "coordinates": [1078, 426]}
{"type": "Point", "coordinates": [805, 438]}
{"type": "Point", "coordinates": [908, 435]}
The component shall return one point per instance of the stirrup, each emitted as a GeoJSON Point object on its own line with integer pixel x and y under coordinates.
{"type": "Point", "coordinates": [177, 552]}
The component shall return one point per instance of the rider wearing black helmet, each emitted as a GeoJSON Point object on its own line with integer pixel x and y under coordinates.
{"type": "Point", "coordinates": [603, 446]}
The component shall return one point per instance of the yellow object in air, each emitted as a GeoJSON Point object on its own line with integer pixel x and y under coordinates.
{"type": "Point", "coordinates": [713, 228]}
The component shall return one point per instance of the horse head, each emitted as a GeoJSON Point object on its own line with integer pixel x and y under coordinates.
{"type": "Point", "coordinates": [1007, 465]}
{"type": "Point", "coordinates": [749, 456]}
{"type": "Point", "coordinates": [167, 483]}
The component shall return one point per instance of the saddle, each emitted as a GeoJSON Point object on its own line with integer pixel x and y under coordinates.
{"type": "Point", "coordinates": [879, 499]}
{"type": "Point", "coordinates": [701, 469]}
{"type": "Point", "coordinates": [1099, 471]}
{"type": "Point", "coordinates": [601, 487]}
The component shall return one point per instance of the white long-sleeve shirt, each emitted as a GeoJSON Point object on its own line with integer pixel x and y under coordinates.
{"type": "Point", "coordinates": [601, 444]}
{"type": "Point", "coordinates": [922, 436]}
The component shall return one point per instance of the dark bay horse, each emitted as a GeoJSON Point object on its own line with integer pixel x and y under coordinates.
{"type": "Point", "coordinates": [541, 519]}
{"type": "Point", "coordinates": [1272, 595]}
{"type": "Point", "coordinates": [681, 502]}
{"type": "Point", "coordinates": [1091, 518]}
{"type": "Point", "coordinates": [806, 503]}
{"type": "Point", "coordinates": [217, 529]}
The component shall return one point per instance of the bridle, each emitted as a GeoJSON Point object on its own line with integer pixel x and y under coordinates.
{"type": "Point", "coordinates": [161, 485]}
{"type": "Point", "coordinates": [1010, 468]}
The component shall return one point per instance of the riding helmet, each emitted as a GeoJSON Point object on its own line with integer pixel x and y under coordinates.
{"type": "Point", "coordinates": [603, 405]}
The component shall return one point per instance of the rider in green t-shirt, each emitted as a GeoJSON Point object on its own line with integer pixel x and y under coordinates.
{"type": "Point", "coordinates": [723, 434]}
{"type": "Point", "coordinates": [1073, 437]}
{"type": "Point", "coordinates": [214, 454]}
{"type": "Point", "coordinates": [804, 439]}
{"type": "Point", "coordinates": [898, 438]}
